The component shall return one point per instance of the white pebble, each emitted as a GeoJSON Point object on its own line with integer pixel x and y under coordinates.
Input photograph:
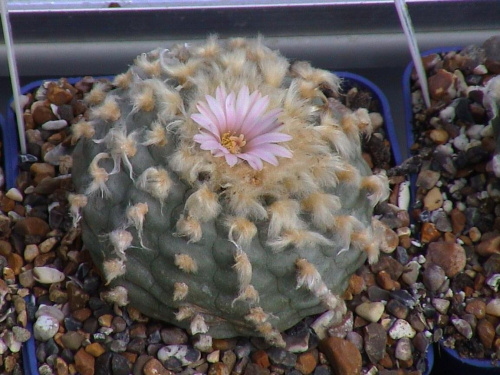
{"type": "Point", "coordinates": [371, 311]}
{"type": "Point", "coordinates": [403, 350]}
{"type": "Point", "coordinates": [52, 311]}
{"type": "Point", "coordinates": [55, 125]}
{"type": "Point", "coordinates": [3, 346]}
{"type": "Point", "coordinates": [493, 307]}
{"type": "Point", "coordinates": [404, 195]}
{"type": "Point", "coordinates": [461, 142]}
{"type": "Point", "coordinates": [496, 165]}
{"type": "Point", "coordinates": [480, 70]}
{"type": "Point", "coordinates": [14, 194]}
{"type": "Point", "coordinates": [47, 275]}
{"type": "Point", "coordinates": [45, 327]}
{"type": "Point", "coordinates": [447, 114]}
{"type": "Point", "coordinates": [447, 206]}
{"type": "Point", "coordinates": [475, 131]}
{"type": "Point", "coordinates": [401, 328]}
{"type": "Point", "coordinates": [11, 342]}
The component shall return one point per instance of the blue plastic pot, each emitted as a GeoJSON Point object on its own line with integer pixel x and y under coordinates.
{"type": "Point", "coordinates": [349, 80]}
{"type": "Point", "coordinates": [448, 359]}
{"type": "Point", "coordinates": [10, 153]}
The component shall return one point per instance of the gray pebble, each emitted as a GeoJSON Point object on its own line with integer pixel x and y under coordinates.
{"type": "Point", "coordinates": [403, 349]}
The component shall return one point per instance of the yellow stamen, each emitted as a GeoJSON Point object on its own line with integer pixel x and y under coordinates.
{"type": "Point", "coordinates": [233, 143]}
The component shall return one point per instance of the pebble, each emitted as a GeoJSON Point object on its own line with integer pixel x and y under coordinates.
{"type": "Point", "coordinates": [493, 307]}
{"type": "Point", "coordinates": [342, 355]}
{"type": "Point", "coordinates": [442, 305]}
{"type": "Point", "coordinates": [449, 256]}
{"type": "Point", "coordinates": [427, 179]}
{"type": "Point", "coordinates": [84, 362]}
{"type": "Point", "coordinates": [48, 275]}
{"type": "Point", "coordinates": [306, 363]}
{"type": "Point", "coordinates": [45, 327]}
{"type": "Point", "coordinates": [403, 350]}
{"type": "Point", "coordinates": [463, 327]}
{"type": "Point", "coordinates": [476, 307]}
{"type": "Point", "coordinates": [14, 194]}
{"type": "Point", "coordinates": [185, 354]}
{"type": "Point", "coordinates": [433, 199]}
{"type": "Point", "coordinates": [21, 334]}
{"type": "Point", "coordinates": [411, 272]}
{"type": "Point", "coordinates": [375, 341]}
{"type": "Point", "coordinates": [54, 125]}
{"type": "Point", "coordinates": [490, 244]}
{"type": "Point", "coordinates": [371, 311]}
{"type": "Point", "coordinates": [401, 328]}
{"type": "Point", "coordinates": [433, 277]}
{"type": "Point", "coordinates": [72, 340]}
{"type": "Point", "coordinates": [279, 356]}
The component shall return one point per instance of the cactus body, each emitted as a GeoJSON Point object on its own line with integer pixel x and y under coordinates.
{"type": "Point", "coordinates": [224, 241]}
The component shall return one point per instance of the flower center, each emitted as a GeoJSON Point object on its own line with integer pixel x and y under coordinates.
{"type": "Point", "coordinates": [233, 143]}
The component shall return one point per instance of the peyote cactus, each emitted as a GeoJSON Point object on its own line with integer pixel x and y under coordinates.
{"type": "Point", "coordinates": [222, 189]}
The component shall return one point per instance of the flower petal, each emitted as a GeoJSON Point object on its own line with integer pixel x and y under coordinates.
{"type": "Point", "coordinates": [269, 138]}
{"type": "Point", "coordinates": [254, 113]}
{"type": "Point", "coordinates": [266, 123]}
{"type": "Point", "coordinates": [242, 105]}
{"type": "Point", "coordinates": [210, 145]}
{"type": "Point", "coordinates": [275, 150]}
{"type": "Point", "coordinates": [264, 155]}
{"type": "Point", "coordinates": [205, 111]}
{"type": "Point", "coordinates": [205, 123]}
{"type": "Point", "coordinates": [231, 159]}
{"type": "Point", "coordinates": [218, 111]}
{"type": "Point", "coordinates": [230, 112]}
{"type": "Point", "coordinates": [254, 161]}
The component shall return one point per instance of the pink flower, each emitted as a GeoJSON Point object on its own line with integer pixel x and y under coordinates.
{"type": "Point", "coordinates": [237, 126]}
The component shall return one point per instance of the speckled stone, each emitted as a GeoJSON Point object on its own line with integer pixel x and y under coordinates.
{"type": "Point", "coordinates": [342, 355]}
{"type": "Point", "coordinates": [449, 256]}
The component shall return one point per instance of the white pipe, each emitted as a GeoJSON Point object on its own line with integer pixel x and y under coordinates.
{"type": "Point", "coordinates": [14, 76]}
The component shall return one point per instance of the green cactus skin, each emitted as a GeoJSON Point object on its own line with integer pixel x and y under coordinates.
{"type": "Point", "coordinates": [227, 251]}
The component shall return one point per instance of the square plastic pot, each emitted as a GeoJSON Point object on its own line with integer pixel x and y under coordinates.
{"type": "Point", "coordinates": [448, 359]}
{"type": "Point", "coordinates": [349, 80]}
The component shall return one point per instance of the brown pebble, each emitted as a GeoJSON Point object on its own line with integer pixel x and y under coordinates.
{"type": "Point", "coordinates": [343, 355]}
{"type": "Point", "coordinates": [84, 362]}
{"type": "Point", "coordinates": [477, 308]}
{"type": "Point", "coordinates": [439, 136]}
{"type": "Point", "coordinates": [261, 358]}
{"type": "Point", "coordinates": [95, 349]}
{"type": "Point", "coordinates": [306, 363]}
{"type": "Point", "coordinates": [39, 171]}
{"type": "Point", "coordinates": [5, 248]}
{"type": "Point", "coordinates": [427, 179]}
{"type": "Point", "coordinates": [486, 333]}
{"type": "Point", "coordinates": [441, 85]}
{"type": "Point", "coordinates": [58, 95]}
{"type": "Point", "coordinates": [218, 368]}
{"type": "Point", "coordinates": [449, 256]}
{"type": "Point", "coordinates": [15, 262]}
{"type": "Point", "coordinates": [41, 112]}
{"type": "Point", "coordinates": [61, 367]}
{"type": "Point", "coordinates": [356, 284]}
{"type": "Point", "coordinates": [490, 244]}
{"type": "Point", "coordinates": [384, 281]}
{"type": "Point", "coordinates": [31, 227]}
{"type": "Point", "coordinates": [458, 221]}
{"type": "Point", "coordinates": [429, 233]}
{"type": "Point", "coordinates": [154, 367]}
{"type": "Point", "coordinates": [386, 361]}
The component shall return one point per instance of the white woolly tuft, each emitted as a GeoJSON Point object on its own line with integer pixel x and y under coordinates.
{"type": "Point", "coordinates": [180, 291]}
{"type": "Point", "coordinates": [364, 240]}
{"type": "Point", "coordinates": [185, 263]}
{"type": "Point", "coordinates": [135, 216]}
{"type": "Point", "coordinates": [97, 94]}
{"type": "Point", "coordinates": [99, 176]}
{"type": "Point", "coordinates": [169, 100]}
{"type": "Point", "coordinates": [211, 49]}
{"type": "Point", "coordinates": [156, 182]}
{"type": "Point", "coordinates": [377, 186]}
{"type": "Point", "coordinates": [241, 231]}
{"type": "Point", "coordinates": [198, 325]}
{"type": "Point", "coordinates": [113, 268]}
{"type": "Point", "coordinates": [243, 268]}
{"type": "Point", "coordinates": [121, 146]}
{"type": "Point", "coordinates": [284, 217]}
{"type": "Point", "coordinates": [256, 316]}
{"type": "Point", "coordinates": [323, 208]}
{"type": "Point", "coordinates": [182, 71]}
{"type": "Point", "coordinates": [250, 295]}
{"type": "Point", "coordinates": [364, 121]}
{"type": "Point", "coordinates": [203, 205]}
{"type": "Point", "coordinates": [188, 227]}
{"type": "Point", "coordinates": [151, 68]}
{"type": "Point", "coordinates": [143, 99]}
{"type": "Point", "coordinates": [117, 295]}
{"type": "Point", "coordinates": [108, 111]}
{"type": "Point", "coordinates": [157, 136]}
{"type": "Point", "coordinates": [339, 141]}
{"type": "Point", "coordinates": [307, 274]}
{"type": "Point", "coordinates": [121, 241]}
{"type": "Point", "coordinates": [123, 80]}
{"type": "Point", "coordinates": [271, 335]}
{"type": "Point", "coordinates": [274, 70]}
{"type": "Point", "coordinates": [76, 202]}
{"type": "Point", "coordinates": [300, 239]}
{"type": "Point", "coordinates": [343, 226]}
{"type": "Point", "coordinates": [185, 312]}
{"type": "Point", "coordinates": [349, 175]}
{"type": "Point", "coordinates": [350, 124]}
{"type": "Point", "coordinates": [82, 129]}
{"type": "Point", "coordinates": [247, 206]}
